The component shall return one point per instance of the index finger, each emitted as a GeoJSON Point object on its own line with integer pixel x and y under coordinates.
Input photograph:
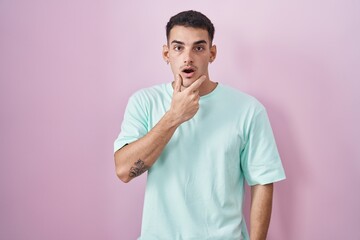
{"type": "Point", "coordinates": [197, 83]}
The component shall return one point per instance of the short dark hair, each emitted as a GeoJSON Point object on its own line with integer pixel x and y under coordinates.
{"type": "Point", "coordinates": [193, 19]}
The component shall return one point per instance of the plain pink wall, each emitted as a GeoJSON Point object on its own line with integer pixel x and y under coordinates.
{"type": "Point", "coordinates": [67, 69]}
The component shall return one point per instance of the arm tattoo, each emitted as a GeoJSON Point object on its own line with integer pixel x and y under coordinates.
{"type": "Point", "coordinates": [138, 168]}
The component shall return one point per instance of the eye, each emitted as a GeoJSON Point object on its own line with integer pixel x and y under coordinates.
{"type": "Point", "coordinates": [199, 48]}
{"type": "Point", "coordinates": [178, 48]}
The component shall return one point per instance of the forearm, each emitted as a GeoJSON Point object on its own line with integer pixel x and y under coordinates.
{"type": "Point", "coordinates": [260, 213]}
{"type": "Point", "coordinates": [137, 157]}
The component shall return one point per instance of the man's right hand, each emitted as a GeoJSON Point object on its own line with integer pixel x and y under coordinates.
{"type": "Point", "coordinates": [185, 103]}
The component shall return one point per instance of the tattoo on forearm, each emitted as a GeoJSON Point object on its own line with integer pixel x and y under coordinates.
{"type": "Point", "coordinates": [138, 168]}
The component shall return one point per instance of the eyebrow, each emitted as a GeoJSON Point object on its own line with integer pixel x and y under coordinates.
{"type": "Point", "coordinates": [195, 43]}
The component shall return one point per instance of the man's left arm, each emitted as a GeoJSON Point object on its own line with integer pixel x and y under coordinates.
{"type": "Point", "coordinates": [260, 211]}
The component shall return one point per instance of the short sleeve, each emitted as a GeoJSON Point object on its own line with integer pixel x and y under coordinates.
{"type": "Point", "coordinates": [134, 125]}
{"type": "Point", "coordinates": [260, 160]}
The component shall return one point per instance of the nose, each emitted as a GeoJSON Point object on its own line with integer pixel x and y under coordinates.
{"type": "Point", "coordinates": [188, 57]}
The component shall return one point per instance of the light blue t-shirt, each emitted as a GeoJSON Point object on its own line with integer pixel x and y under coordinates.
{"type": "Point", "coordinates": [195, 190]}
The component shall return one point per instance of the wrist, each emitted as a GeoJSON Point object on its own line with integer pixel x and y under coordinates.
{"type": "Point", "coordinates": [171, 119]}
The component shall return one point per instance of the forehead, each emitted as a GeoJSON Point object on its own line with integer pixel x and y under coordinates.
{"type": "Point", "coordinates": [188, 35]}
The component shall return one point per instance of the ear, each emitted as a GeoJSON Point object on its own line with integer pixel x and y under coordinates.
{"type": "Point", "coordinates": [165, 53]}
{"type": "Point", "coordinates": [213, 52]}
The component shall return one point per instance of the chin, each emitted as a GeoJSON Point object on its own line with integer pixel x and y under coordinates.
{"type": "Point", "coordinates": [188, 81]}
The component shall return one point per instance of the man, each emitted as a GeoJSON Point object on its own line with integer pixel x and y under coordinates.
{"type": "Point", "coordinates": [198, 140]}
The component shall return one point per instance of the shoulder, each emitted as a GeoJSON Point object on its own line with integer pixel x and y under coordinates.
{"type": "Point", "coordinates": [150, 93]}
{"type": "Point", "coordinates": [236, 98]}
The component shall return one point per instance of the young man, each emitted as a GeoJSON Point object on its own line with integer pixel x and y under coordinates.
{"type": "Point", "coordinates": [199, 141]}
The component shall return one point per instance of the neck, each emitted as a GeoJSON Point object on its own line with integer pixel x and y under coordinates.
{"type": "Point", "coordinates": [207, 87]}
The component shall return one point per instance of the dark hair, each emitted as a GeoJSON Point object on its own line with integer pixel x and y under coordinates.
{"type": "Point", "coordinates": [191, 19]}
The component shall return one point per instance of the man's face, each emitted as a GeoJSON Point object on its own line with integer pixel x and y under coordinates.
{"type": "Point", "coordinates": [189, 53]}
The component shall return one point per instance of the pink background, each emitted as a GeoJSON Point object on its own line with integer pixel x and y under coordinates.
{"type": "Point", "coordinates": [67, 69]}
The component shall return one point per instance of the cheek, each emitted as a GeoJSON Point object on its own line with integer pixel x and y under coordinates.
{"type": "Point", "coordinates": [174, 54]}
{"type": "Point", "coordinates": [174, 59]}
{"type": "Point", "coordinates": [174, 67]}
{"type": "Point", "coordinates": [204, 64]}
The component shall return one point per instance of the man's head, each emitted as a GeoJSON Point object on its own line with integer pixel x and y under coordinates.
{"type": "Point", "coordinates": [189, 47]}
{"type": "Point", "coordinates": [192, 19]}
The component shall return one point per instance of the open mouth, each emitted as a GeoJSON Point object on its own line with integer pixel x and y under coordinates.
{"type": "Point", "coordinates": [190, 70]}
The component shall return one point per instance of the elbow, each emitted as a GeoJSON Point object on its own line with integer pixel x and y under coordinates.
{"type": "Point", "coordinates": [122, 174]}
